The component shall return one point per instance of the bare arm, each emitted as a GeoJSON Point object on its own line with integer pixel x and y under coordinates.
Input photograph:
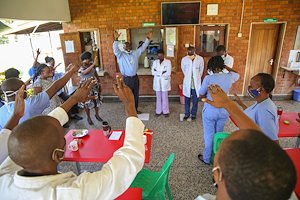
{"type": "Point", "coordinates": [60, 83]}
{"type": "Point", "coordinates": [221, 100]}
{"type": "Point", "coordinates": [230, 69]}
{"type": "Point", "coordinates": [239, 101]}
{"type": "Point", "coordinates": [38, 52]}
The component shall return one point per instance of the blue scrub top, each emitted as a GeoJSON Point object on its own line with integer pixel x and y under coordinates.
{"type": "Point", "coordinates": [33, 106]}
{"type": "Point", "coordinates": [224, 80]}
{"type": "Point", "coordinates": [264, 114]}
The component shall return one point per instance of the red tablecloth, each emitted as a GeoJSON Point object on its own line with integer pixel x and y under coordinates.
{"type": "Point", "coordinates": [295, 156]}
{"type": "Point", "coordinates": [97, 148]}
{"type": "Point", "coordinates": [131, 194]}
{"type": "Point", "coordinates": [289, 130]}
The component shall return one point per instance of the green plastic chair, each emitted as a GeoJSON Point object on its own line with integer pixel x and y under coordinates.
{"type": "Point", "coordinates": [218, 139]}
{"type": "Point", "coordinates": [155, 183]}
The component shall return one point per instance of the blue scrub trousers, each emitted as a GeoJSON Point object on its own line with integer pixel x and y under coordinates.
{"type": "Point", "coordinates": [187, 101]}
{"type": "Point", "coordinates": [214, 120]}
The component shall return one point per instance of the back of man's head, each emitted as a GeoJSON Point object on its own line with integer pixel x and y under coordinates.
{"type": "Point", "coordinates": [31, 143]}
{"type": "Point", "coordinates": [12, 84]}
{"type": "Point", "coordinates": [254, 167]}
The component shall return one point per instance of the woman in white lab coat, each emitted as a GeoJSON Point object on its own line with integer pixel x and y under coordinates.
{"type": "Point", "coordinates": [192, 67]}
{"type": "Point", "coordinates": [161, 70]}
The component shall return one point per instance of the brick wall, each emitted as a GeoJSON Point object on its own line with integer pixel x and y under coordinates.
{"type": "Point", "coordinates": [110, 15]}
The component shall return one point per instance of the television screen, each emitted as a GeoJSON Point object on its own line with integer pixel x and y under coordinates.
{"type": "Point", "coordinates": [180, 13]}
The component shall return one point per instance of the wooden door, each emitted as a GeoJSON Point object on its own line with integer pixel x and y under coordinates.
{"type": "Point", "coordinates": [73, 56]}
{"type": "Point", "coordinates": [262, 51]}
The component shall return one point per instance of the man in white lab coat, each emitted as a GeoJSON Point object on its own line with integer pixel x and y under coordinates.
{"type": "Point", "coordinates": [192, 67]}
{"type": "Point", "coordinates": [228, 60]}
{"type": "Point", "coordinates": [30, 171]}
{"type": "Point", "coordinates": [161, 70]}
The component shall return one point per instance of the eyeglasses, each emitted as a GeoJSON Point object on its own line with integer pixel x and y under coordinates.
{"type": "Point", "coordinates": [217, 168]}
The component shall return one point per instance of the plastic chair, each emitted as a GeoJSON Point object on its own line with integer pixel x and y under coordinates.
{"type": "Point", "coordinates": [218, 139]}
{"type": "Point", "coordinates": [155, 183]}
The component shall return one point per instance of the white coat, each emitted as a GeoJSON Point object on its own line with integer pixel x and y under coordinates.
{"type": "Point", "coordinates": [190, 67]}
{"type": "Point", "coordinates": [161, 81]}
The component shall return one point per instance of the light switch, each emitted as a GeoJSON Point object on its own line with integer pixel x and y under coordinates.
{"type": "Point", "coordinates": [212, 9]}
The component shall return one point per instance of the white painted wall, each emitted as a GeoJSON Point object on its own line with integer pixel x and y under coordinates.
{"type": "Point", "coordinates": [48, 10]}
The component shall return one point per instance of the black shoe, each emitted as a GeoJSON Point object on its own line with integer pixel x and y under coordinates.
{"type": "Point", "coordinates": [200, 157]}
{"type": "Point", "coordinates": [193, 118]}
{"type": "Point", "coordinates": [138, 112]}
{"type": "Point", "coordinates": [186, 117]}
{"type": "Point", "coordinates": [157, 115]}
{"type": "Point", "coordinates": [76, 117]}
{"type": "Point", "coordinates": [166, 115]}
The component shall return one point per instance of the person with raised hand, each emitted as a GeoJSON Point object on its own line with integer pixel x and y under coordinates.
{"type": "Point", "coordinates": [34, 105]}
{"type": "Point", "coordinates": [247, 154]}
{"type": "Point", "coordinates": [30, 171]}
{"type": "Point", "coordinates": [58, 113]}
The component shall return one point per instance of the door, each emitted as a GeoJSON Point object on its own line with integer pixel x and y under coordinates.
{"type": "Point", "coordinates": [262, 50]}
{"type": "Point", "coordinates": [71, 55]}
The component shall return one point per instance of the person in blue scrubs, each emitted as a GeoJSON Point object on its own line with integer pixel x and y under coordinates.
{"type": "Point", "coordinates": [213, 118]}
{"type": "Point", "coordinates": [263, 112]}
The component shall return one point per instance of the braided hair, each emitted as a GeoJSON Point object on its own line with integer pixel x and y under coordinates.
{"type": "Point", "coordinates": [215, 64]}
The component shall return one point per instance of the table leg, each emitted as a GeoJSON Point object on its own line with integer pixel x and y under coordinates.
{"type": "Point", "coordinates": [298, 142]}
{"type": "Point", "coordinates": [78, 168]}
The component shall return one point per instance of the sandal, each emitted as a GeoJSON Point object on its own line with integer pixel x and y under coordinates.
{"type": "Point", "coordinates": [200, 157]}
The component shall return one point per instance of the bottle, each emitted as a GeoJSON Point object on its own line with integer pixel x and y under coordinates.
{"type": "Point", "coordinates": [146, 62]}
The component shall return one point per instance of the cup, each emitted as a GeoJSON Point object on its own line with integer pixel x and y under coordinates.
{"type": "Point", "coordinates": [73, 146]}
{"type": "Point", "coordinates": [106, 128]}
{"type": "Point", "coordinates": [279, 111]}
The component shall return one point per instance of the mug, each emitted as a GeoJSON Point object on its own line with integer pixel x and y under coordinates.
{"type": "Point", "coordinates": [106, 128]}
{"type": "Point", "coordinates": [73, 146]}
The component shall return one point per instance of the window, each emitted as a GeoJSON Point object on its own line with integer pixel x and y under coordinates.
{"type": "Point", "coordinates": [208, 37]}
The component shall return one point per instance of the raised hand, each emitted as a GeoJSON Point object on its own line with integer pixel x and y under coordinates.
{"type": "Point", "coordinates": [82, 93]}
{"type": "Point", "coordinates": [220, 98]}
{"type": "Point", "coordinates": [19, 102]}
{"type": "Point", "coordinates": [73, 67]}
{"type": "Point", "coordinates": [150, 35]}
{"type": "Point", "coordinates": [125, 95]}
{"type": "Point", "coordinates": [38, 52]}
{"type": "Point", "coordinates": [95, 60]}
{"type": "Point", "coordinates": [116, 35]}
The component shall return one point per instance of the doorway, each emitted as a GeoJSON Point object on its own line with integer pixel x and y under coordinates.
{"type": "Point", "coordinates": [264, 50]}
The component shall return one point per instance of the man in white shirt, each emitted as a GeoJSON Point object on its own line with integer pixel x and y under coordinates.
{"type": "Point", "coordinates": [228, 60]}
{"type": "Point", "coordinates": [248, 164]}
{"type": "Point", "coordinates": [27, 174]}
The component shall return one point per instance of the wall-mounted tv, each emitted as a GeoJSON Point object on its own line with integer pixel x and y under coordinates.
{"type": "Point", "coordinates": [180, 13]}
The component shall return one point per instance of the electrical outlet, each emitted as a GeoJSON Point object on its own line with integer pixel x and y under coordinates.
{"type": "Point", "coordinates": [239, 35]}
{"type": "Point", "coordinates": [187, 45]}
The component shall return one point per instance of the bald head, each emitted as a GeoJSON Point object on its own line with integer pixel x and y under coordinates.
{"type": "Point", "coordinates": [254, 167]}
{"type": "Point", "coordinates": [31, 144]}
{"type": "Point", "coordinates": [11, 84]}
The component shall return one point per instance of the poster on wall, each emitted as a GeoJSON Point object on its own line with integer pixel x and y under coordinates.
{"type": "Point", "coordinates": [171, 36]}
{"type": "Point", "coordinates": [69, 44]}
{"type": "Point", "coordinates": [170, 51]}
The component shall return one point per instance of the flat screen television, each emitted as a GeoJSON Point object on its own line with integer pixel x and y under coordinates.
{"type": "Point", "coordinates": [180, 13]}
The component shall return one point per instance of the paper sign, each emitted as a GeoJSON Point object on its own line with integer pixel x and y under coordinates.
{"type": "Point", "coordinates": [171, 36]}
{"type": "Point", "coordinates": [144, 116]}
{"type": "Point", "coordinates": [69, 46]}
{"type": "Point", "coordinates": [115, 135]}
{"type": "Point", "coordinates": [123, 36]}
{"type": "Point", "coordinates": [170, 51]}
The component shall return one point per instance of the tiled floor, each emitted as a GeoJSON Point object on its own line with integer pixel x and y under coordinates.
{"type": "Point", "coordinates": [189, 177]}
